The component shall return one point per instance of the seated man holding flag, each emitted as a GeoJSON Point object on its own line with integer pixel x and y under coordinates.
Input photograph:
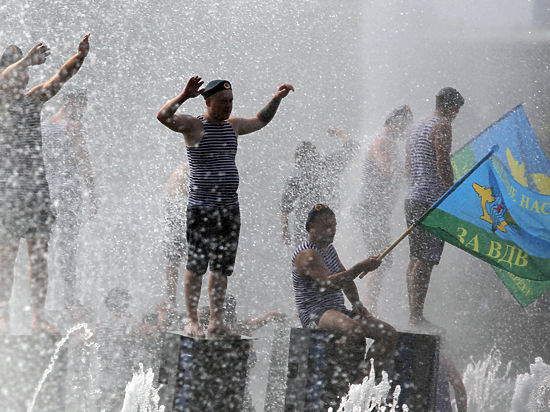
{"type": "Point", "coordinates": [320, 282]}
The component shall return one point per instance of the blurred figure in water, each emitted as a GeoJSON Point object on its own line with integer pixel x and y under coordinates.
{"type": "Point", "coordinates": [448, 374]}
{"type": "Point", "coordinates": [243, 327]}
{"type": "Point", "coordinates": [315, 179]}
{"type": "Point", "coordinates": [70, 180]}
{"type": "Point", "coordinates": [213, 214]}
{"type": "Point", "coordinates": [118, 339]}
{"type": "Point", "coordinates": [380, 176]}
{"type": "Point", "coordinates": [24, 194]}
{"type": "Point", "coordinates": [430, 174]}
{"type": "Point", "coordinates": [175, 243]}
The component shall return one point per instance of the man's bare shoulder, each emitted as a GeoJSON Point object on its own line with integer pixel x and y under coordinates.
{"type": "Point", "coordinates": [306, 258]}
{"type": "Point", "coordinates": [193, 121]}
{"type": "Point", "coordinates": [190, 126]}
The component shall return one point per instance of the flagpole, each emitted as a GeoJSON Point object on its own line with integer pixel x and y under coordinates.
{"type": "Point", "coordinates": [416, 222]}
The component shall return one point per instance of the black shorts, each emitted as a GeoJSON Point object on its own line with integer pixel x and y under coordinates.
{"type": "Point", "coordinates": [316, 317]}
{"type": "Point", "coordinates": [21, 219]}
{"type": "Point", "coordinates": [423, 245]}
{"type": "Point", "coordinates": [212, 239]}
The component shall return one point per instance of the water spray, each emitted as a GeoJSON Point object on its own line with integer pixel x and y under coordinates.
{"type": "Point", "coordinates": [53, 359]}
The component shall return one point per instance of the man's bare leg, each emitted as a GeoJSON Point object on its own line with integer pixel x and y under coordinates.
{"type": "Point", "coordinates": [418, 280]}
{"type": "Point", "coordinates": [192, 284]}
{"type": "Point", "coordinates": [384, 335]}
{"type": "Point", "coordinates": [217, 286]}
{"type": "Point", "coordinates": [8, 254]}
{"type": "Point", "coordinates": [37, 248]}
{"type": "Point", "coordinates": [385, 340]}
{"type": "Point", "coordinates": [172, 276]}
{"type": "Point", "coordinates": [373, 286]}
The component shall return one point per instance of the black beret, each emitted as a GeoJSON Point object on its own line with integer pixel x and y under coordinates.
{"type": "Point", "coordinates": [317, 210]}
{"type": "Point", "coordinates": [215, 86]}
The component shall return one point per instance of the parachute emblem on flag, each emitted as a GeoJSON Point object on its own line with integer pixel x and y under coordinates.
{"type": "Point", "coordinates": [494, 210]}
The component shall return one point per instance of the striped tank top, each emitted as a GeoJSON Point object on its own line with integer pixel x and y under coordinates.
{"type": "Point", "coordinates": [312, 300]}
{"type": "Point", "coordinates": [425, 183]}
{"type": "Point", "coordinates": [213, 174]}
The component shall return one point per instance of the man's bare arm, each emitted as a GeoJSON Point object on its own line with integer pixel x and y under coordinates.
{"type": "Point", "coordinates": [285, 234]}
{"type": "Point", "coordinates": [461, 396]}
{"type": "Point", "coordinates": [262, 320]}
{"type": "Point", "coordinates": [244, 125]}
{"type": "Point", "coordinates": [309, 263]}
{"type": "Point", "coordinates": [350, 289]}
{"type": "Point", "coordinates": [189, 126]}
{"type": "Point", "coordinates": [36, 55]}
{"type": "Point", "coordinates": [45, 91]}
{"type": "Point", "coordinates": [442, 139]}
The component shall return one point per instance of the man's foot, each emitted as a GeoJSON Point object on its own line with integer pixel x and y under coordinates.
{"type": "Point", "coordinates": [220, 331]}
{"type": "Point", "coordinates": [424, 325]}
{"type": "Point", "coordinates": [193, 329]}
{"type": "Point", "coordinates": [41, 325]}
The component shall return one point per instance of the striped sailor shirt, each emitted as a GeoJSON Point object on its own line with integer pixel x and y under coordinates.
{"type": "Point", "coordinates": [213, 174]}
{"type": "Point", "coordinates": [312, 300]}
{"type": "Point", "coordinates": [425, 184]}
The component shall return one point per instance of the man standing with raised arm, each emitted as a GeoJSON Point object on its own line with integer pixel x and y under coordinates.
{"type": "Point", "coordinates": [24, 192]}
{"type": "Point", "coordinates": [213, 218]}
{"type": "Point", "coordinates": [428, 167]}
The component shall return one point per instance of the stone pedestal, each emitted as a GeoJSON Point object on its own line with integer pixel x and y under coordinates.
{"type": "Point", "coordinates": [414, 367]}
{"type": "Point", "coordinates": [319, 373]}
{"type": "Point", "coordinates": [203, 374]}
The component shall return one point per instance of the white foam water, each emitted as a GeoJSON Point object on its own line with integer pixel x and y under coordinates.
{"type": "Point", "coordinates": [488, 384]}
{"type": "Point", "coordinates": [369, 396]}
{"type": "Point", "coordinates": [532, 390]}
{"type": "Point", "coordinates": [141, 395]}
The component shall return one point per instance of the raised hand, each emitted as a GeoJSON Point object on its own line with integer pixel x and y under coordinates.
{"type": "Point", "coordinates": [339, 132]}
{"type": "Point", "coordinates": [84, 45]}
{"type": "Point", "coordinates": [38, 54]}
{"type": "Point", "coordinates": [193, 87]}
{"type": "Point", "coordinates": [284, 90]}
